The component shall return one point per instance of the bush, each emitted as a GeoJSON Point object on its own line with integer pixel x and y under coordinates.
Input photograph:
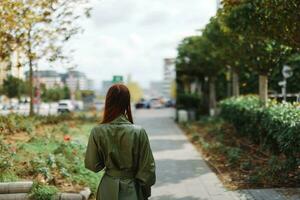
{"type": "Point", "coordinates": [188, 101]}
{"type": "Point", "coordinates": [43, 192]}
{"type": "Point", "coordinates": [54, 119]}
{"type": "Point", "coordinates": [275, 127]}
{"type": "Point", "coordinates": [15, 123]}
{"type": "Point", "coordinates": [7, 156]}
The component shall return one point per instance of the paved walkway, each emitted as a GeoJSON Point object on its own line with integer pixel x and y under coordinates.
{"type": "Point", "coordinates": [181, 172]}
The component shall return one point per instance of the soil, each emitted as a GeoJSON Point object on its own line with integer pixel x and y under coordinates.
{"type": "Point", "coordinates": [234, 176]}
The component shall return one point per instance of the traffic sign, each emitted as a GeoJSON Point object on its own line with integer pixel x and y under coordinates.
{"type": "Point", "coordinates": [117, 79]}
{"type": "Point", "coordinates": [287, 72]}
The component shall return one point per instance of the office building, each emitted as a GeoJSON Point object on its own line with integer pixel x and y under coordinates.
{"type": "Point", "coordinates": [169, 76]}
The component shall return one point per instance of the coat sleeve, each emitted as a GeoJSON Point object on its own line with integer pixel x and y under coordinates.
{"type": "Point", "coordinates": [93, 159]}
{"type": "Point", "coordinates": [146, 164]}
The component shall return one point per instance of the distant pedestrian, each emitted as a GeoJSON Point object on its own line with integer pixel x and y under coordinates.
{"type": "Point", "coordinates": [122, 150]}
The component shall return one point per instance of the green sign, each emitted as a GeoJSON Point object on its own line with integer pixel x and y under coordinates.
{"type": "Point", "coordinates": [117, 79]}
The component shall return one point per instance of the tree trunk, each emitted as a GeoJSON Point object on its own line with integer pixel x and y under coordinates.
{"type": "Point", "coordinates": [263, 88]}
{"type": "Point", "coordinates": [31, 92]}
{"type": "Point", "coordinates": [235, 84]}
{"type": "Point", "coordinates": [212, 96]}
{"type": "Point", "coordinates": [31, 112]}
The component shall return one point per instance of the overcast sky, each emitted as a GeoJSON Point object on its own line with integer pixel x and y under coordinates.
{"type": "Point", "coordinates": [134, 36]}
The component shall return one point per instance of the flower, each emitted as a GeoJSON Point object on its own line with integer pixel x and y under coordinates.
{"type": "Point", "coordinates": [67, 138]}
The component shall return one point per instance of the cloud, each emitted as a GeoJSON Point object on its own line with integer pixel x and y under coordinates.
{"type": "Point", "coordinates": [134, 36]}
{"type": "Point", "coordinates": [155, 17]}
{"type": "Point", "coordinates": [111, 12]}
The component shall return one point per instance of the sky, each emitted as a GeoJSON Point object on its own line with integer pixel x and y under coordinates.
{"type": "Point", "coordinates": [133, 37]}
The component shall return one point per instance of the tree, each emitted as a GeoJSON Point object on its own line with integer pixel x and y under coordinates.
{"type": "Point", "coordinates": [262, 53]}
{"type": "Point", "coordinates": [66, 92]}
{"type": "Point", "coordinates": [135, 91]}
{"type": "Point", "coordinates": [54, 94]}
{"type": "Point", "coordinates": [14, 87]}
{"type": "Point", "coordinates": [272, 19]}
{"type": "Point", "coordinates": [203, 60]}
{"type": "Point", "coordinates": [40, 28]}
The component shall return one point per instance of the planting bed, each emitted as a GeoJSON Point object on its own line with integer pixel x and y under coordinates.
{"type": "Point", "coordinates": [49, 151]}
{"type": "Point", "coordinates": [239, 162]}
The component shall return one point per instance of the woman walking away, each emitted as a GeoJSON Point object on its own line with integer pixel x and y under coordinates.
{"type": "Point", "coordinates": [122, 150]}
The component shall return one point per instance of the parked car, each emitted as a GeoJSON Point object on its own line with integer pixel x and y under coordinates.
{"type": "Point", "coordinates": [170, 103]}
{"type": "Point", "coordinates": [156, 103]}
{"type": "Point", "coordinates": [143, 104]}
{"type": "Point", "coordinates": [65, 106]}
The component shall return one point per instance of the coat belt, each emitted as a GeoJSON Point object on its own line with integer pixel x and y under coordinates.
{"type": "Point", "coordinates": [120, 173]}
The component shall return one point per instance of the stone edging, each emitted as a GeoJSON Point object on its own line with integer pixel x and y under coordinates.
{"type": "Point", "coordinates": [20, 190]}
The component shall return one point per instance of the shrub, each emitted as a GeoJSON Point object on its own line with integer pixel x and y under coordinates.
{"type": "Point", "coordinates": [188, 101]}
{"type": "Point", "coordinates": [43, 192]}
{"type": "Point", "coordinates": [275, 127]}
{"type": "Point", "coordinates": [7, 156]}
{"type": "Point", "coordinates": [15, 123]}
{"type": "Point", "coordinates": [55, 119]}
{"type": "Point", "coordinates": [233, 155]}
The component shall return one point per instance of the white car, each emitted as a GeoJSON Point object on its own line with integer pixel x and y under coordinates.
{"type": "Point", "coordinates": [65, 106]}
{"type": "Point", "coordinates": [156, 103]}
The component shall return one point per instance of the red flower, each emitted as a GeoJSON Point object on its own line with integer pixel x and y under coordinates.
{"type": "Point", "coordinates": [67, 138]}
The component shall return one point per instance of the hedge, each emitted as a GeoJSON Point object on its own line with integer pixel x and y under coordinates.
{"type": "Point", "coordinates": [188, 101]}
{"type": "Point", "coordinates": [275, 127]}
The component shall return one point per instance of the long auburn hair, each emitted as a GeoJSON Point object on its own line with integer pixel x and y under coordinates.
{"type": "Point", "coordinates": [117, 102]}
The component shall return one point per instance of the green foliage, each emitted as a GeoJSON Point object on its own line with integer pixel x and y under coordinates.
{"type": "Point", "coordinates": [15, 123]}
{"type": "Point", "coordinates": [273, 19]}
{"type": "Point", "coordinates": [54, 119]}
{"type": "Point", "coordinates": [43, 192]}
{"type": "Point", "coordinates": [68, 158]}
{"type": "Point", "coordinates": [7, 155]}
{"type": "Point", "coordinates": [233, 155]}
{"type": "Point", "coordinates": [245, 163]}
{"type": "Point", "coordinates": [275, 127]}
{"type": "Point", "coordinates": [188, 101]}
{"type": "Point", "coordinates": [14, 87]}
{"type": "Point", "coordinates": [55, 94]}
{"type": "Point", "coordinates": [49, 157]}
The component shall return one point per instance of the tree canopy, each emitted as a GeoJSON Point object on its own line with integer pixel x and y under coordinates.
{"type": "Point", "coordinates": [246, 38]}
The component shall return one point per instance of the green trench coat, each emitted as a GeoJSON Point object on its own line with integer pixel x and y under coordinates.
{"type": "Point", "coordinates": [123, 151]}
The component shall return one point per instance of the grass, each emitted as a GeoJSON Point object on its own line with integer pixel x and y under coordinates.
{"type": "Point", "coordinates": [43, 192]}
{"type": "Point", "coordinates": [238, 162]}
{"type": "Point", "coordinates": [51, 155]}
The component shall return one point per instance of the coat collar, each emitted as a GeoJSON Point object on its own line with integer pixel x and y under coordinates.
{"type": "Point", "coordinates": [122, 119]}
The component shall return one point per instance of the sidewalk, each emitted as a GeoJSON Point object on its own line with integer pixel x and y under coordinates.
{"type": "Point", "coordinates": [181, 172]}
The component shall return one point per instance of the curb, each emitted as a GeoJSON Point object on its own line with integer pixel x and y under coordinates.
{"type": "Point", "coordinates": [82, 195]}
{"type": "Point", "coordinates": [20, 190]}
{"type": "Point", "coordinates": [20, 196]}
{"type": "Point", "coordinates": [15, 187]}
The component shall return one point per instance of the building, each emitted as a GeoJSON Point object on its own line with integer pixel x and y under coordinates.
{"type": "Point", "coordinates": [48, 78]}
{"type": "Point", "coordinates": [75, 80]}
{"type": "Point", "coordinates": [169, 76]}
{"type": "Point", "coordinates": [90, 84]}
{"type": "Point", "coordinates": [12, 67]}
{"type": "Point", "coordinates": [156, 89]}
{"type": "Point", "coordinates": [105, 86]}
